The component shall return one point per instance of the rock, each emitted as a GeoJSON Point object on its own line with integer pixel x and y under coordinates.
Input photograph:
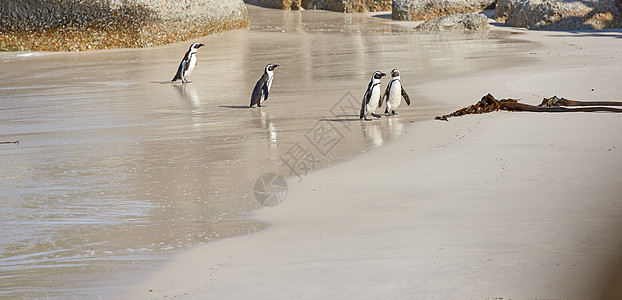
{"type": "Point", "coordinates": [456, 22]}
{"type": "Point", "coordinates": [423, 10]}
{"type": "Point", "coordinates": [350, 5]}
{"type": "Point", "coordinates": [68, 25]}
{"type": "Point", "coordinates": [334, 5]}
{"type": "Point", "coordinates": [560, 15]}
{"type": "Point", "coordinates": [280, 4]}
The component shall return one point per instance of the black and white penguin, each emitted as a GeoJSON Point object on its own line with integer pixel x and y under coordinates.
{"type": "Point", "coordinates": [262, 88]}
{"type": "Point", "coordinates": [372, 96]}
{"type": "Point", "coordinates": [187, 63]}
{"type": "Point", "coordinates": [394, 93]}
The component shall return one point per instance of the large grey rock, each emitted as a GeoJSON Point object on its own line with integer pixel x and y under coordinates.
{"type": "Point", "coordinates": [456, 22]}
{"type": "Point", "coordinates": [334, 5]}
{"type": "Point", "coordinates": [101, 24]}
{"type": "Point", "coordinates": [280, 4]}
{"type": "Point", "coordinates": [350, 5]}
{"type": "Point", "coordinates": [423, 10]}
{"type": "Point", "coordinates": [560, 15]}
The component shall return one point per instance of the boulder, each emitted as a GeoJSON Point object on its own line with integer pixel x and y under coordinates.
{"type": "Point", "coordinates": [350, 5]}
{"type": "Point", "coordinates": [280, 4]}
{"type": "Point", "coordinates": [52, 25]}
{"type": "Point", "coordinates": [456, 22]}
{"type": "Point", "coordinates": [334, 5]}
{"type": "Point", "coordinates": [560, 15]}
{"type": "Point", "coordinates": [423, 10]}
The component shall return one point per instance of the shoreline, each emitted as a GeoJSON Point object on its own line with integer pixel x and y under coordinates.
{"type": "Point", "coordinates": [481, 206]}
{"type": "Point", "coordinates": [125, 169]}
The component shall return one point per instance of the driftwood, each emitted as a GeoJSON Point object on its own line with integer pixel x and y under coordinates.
{"type": "Point", "coordinates": [16, 142]}
{"type": "Point", "coordinates": [553, 104]}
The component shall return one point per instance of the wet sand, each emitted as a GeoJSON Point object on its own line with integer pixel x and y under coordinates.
{"type": "Point", "coordinates": [496, 206]}
{"type": "Point", "coordinates": [118, 169]}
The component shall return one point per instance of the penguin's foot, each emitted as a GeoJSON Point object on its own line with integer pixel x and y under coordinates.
{"type": "Point", "coordinates": [376, 115]}
{"type": "Point", "coordinates": [393, 113]}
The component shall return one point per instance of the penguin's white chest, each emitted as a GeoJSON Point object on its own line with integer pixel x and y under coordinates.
{"type": "Point", "coordinates": [270, 81]}
{"type": "Point", "coordinates": [395, 95]}
{"type": "Point", "coordinates": [268, 85]}
{"type": "Point", "coordinates": [191, 64]}
{"type": "Point", "coordinates": [374, 99]}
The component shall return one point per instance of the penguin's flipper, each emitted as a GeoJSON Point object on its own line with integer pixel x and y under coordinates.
{"type": "Point", "coordinates": [366, 98]}
{"type": "Point", "coordinates": [386, 94]}
{"type": "Point", "coordinates": [186, 61]}
{"type": "Point", "coordinates": [363, 109]}
{"type": "Point", "coordinates": [265, 90]}
{"type": "Point", "coordinates": [256, 95]}
{"type": "Point", "coordinates": [257, 91]}
{"type": "Point", "coordinates": [180, 70]}
{"type": "Point", "coordinates": [405, 96]}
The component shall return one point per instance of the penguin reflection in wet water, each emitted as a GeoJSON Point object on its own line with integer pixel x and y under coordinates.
{"type": "Point", "coordinates": [187, 63]}
{"type": "Point", "coordinates": [394, 93]}
{"type": "Point", "coordinates": [262, 87]}
{"type": "Point", "coordinates": [372, 96]}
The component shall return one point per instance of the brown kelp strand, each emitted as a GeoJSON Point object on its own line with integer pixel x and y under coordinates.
{"type": "Point", "coordinates": [489, 103]}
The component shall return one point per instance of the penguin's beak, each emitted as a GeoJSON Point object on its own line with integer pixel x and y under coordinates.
{"type": "Point", "coordinates": [383, 74]}
{"type": "Point", "coordinates": [276, 66]}
{"type": "Point", "coordinates": [200, 45]}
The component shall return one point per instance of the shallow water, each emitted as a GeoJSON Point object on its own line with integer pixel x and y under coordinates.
{"type": "Point", "coordinates": [118, 168]}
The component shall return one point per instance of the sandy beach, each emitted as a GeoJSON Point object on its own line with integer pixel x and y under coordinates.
{"type": "Point", "coordinates": [496, 206]}
{"type": "Point", "coordinates": [127, 186]}
{"type": "Point", "coordinates": [118, 170]}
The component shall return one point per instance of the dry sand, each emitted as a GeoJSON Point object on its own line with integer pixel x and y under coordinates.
{"type": "Point", "coordinates": [503, 205]}
{"type": "Point", "coordinates": [118, 168]}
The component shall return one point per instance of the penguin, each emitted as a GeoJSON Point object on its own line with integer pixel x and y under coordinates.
{"type": "Point", "coordinates": [262, 87]}
{"type": "Point", "coordinates": [372, 96]}
{"type": "Point", "coordinates": [394, 93]}
{"type": "Point", "coordinates": [187, 63]}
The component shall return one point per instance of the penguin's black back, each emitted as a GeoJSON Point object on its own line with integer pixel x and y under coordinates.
{"type": "Point", "coordinates": [366, 98]}
{"type": "Point", "coordinates": [262, 85]}
{"type": "Point", "coordinates": [183, 66]}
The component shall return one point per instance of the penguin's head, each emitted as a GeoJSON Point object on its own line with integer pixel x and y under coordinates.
{"type": "Point", "coordinates": [270, 67]}
{"type": "Point", "coordinates": [378, 75]}
{"type": "Point", "coordinates": [395, 73]}
{"type": "Point", "coordinates": [196, 46]}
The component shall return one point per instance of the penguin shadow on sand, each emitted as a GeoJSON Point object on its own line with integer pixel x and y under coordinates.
{"type": "Point", "coordinates": [341, 119]}
{"type": "Point", "coordinates": [234, 106]}
{"type": "Point", "coordinates": [168, 82]}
